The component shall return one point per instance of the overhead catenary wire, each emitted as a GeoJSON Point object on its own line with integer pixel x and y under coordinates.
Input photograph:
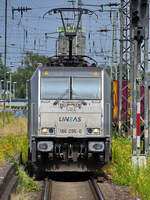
{"type": "Point", "coordinates": [33, 24]}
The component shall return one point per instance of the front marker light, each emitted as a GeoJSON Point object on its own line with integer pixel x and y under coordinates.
{"type": "Point", "coordinates": [96, 146]}
{"type": "Point", "coordinates": [48, 131]}
{"type": "Point", "coordinates": [45, 146]}
{"type": "Point", "coordinates": [42, 146]}
{"type": "Point", "coordinates": [93, 131]}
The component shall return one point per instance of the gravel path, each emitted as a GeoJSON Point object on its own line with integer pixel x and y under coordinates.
{"type": "Point", "coordinates": [71, 191]}
{"type": "Point", "coordinates": [115, 192]}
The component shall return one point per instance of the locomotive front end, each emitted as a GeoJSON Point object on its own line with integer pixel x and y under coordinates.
{"type": "Point", "coordinates": [72, 119]}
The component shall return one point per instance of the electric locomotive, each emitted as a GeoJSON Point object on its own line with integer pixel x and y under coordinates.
{"type": "Point", "coordinates": [69, 115]}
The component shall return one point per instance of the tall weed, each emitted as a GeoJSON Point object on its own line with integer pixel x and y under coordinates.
{"type": "Point", "coordinates": [121, 157]}
{"type": "Point", "coordinates": [124, 173]}
{"type": "Point", "coordinates": [13, 140]}
{"type": "Point", "coordinates": [25, 183]}
{"type": "Point", "coordinates": [13, 137]}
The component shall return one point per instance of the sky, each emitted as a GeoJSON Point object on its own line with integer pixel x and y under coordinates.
{"type": "Point", "coordinates": [27, 33]}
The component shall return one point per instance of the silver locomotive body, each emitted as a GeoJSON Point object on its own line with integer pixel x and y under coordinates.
{"type": "Point", "coordinates": [69, 118]}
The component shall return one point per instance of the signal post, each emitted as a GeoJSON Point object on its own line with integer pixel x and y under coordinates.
{"type": "Point", "coordinates": [140, 34]}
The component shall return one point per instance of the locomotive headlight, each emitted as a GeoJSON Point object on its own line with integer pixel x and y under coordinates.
{"type": "Point", "coordinates": [48, 131]}
{"type": "Point", "coordinates": [93, 131]}
{"type": "Point", "coordinates": [45, 130]}
{"type": "Point", "coordinates": [96, 146]}
{"type": "Point", "coordinates": [96, 131]}
{"type": "Point", "coordinates": [45, 146]}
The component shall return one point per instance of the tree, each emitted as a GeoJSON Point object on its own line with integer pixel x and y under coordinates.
{"type": "Point", "coordinates": [2, 69]}
{"type": "Point", "coordinates": [25, 72]}
{"type": "Point", "coordinates": [7, 69]}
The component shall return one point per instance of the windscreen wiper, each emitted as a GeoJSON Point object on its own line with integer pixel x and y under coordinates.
{"type": "Point", "coordinates": [82, 101]}
{"type": "Point", "coordinates": [57, 101]}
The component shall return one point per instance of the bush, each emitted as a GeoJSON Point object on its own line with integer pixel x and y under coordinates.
{"type": "Point", "coordinates": [121, 158]}
{"type": "Point", "coordinates": [124, 173]}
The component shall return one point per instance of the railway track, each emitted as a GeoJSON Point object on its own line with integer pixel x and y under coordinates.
{"type": "Point", "coordinates": [96, 190]}
{"type": "Point", "coordinates": [85, 190]}
{"type": "Point", "coordinates": [8, 182]}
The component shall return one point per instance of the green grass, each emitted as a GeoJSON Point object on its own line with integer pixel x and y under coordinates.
{"type": "Point", "coordinates": [11, 145]}
{"type": "Point", "coordinates": [25, 183]}
{"type": "Point", "coordinates": [13, 138]}
{"type": "Point", "coordinates": [13, 141]}
{"type": "Point", "coordinates": [124, 173]}
{"type": "Point", "coordinates": [13, 125]}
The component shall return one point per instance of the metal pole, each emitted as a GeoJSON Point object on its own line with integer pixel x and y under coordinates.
{"type": "Point", "coordinates": [138, 89]}
{"type": "Point", "coordinates": [5, 62]}
{"type": "Point", "coordinates": [26, 91]}
{"type": "Point", "coordinates": [7, 89]}
{"type": "Point", "coordinates": [14, 89]}
{"type": "Point", "coordinates": [0, 90]}
{"type": "Point", "coordinates": [146, 107]}
{"type": "Point", "coordinates": [125, 67]}
{"type": "Point", "coordinates": [10, 92]}
{"type": "Point", "coordinates": [27, 82]}
{"type": "Point", "coordinates": [134, 106]}
{"type": "Point", "coordinates": [114, 47]}
{"type": "Point", "coordinates": [121, 65]}
{"type": "Point", "coordinates": [146, 132]}
{"type": "Point", "coordinates": [132, 83]}
{"type": "Point", "coordinates": [149, 118]}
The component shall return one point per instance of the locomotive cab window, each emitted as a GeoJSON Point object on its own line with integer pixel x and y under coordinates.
{"type": "Point", "coordinates": [86, 88]}
{"type": "Point", "coordinates": [55, 88]}
{"type": "Point", "coordinates": [78, 88]}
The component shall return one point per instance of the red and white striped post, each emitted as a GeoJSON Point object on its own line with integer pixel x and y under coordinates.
{"type": "Point", "coordinates": [138, 125]}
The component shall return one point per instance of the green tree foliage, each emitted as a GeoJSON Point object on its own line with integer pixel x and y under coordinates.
{"type": "Point", "coordinates": [25, 72]}
{"type": "Point", "coordinates": [2, 69]}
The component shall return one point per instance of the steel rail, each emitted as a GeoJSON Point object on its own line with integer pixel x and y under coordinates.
{"type": "Point", "coordinates": [95, 189]}
{"type": "Point", "coordinates": [47, 190]}
{"type": "Point", "coordinates": [8, 183]}
{"type": "Point", "coordinates": [46, 195]}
